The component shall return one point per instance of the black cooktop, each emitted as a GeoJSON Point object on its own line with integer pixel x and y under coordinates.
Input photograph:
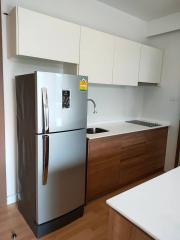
{"type": "Point", "coordinates": [144, 123]}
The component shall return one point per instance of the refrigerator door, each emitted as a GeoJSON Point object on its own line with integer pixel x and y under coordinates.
{"type": "Point", "coordinates": [61, 103]}
{"type": "Point", "coordinates": [61, 169]}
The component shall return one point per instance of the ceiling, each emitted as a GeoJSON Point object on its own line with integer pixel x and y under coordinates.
{"type": "Point", "coordinates": [146, 9]}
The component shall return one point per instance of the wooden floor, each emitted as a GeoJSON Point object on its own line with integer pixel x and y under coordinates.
{"type": "Point", "coordinates": [92, 226]}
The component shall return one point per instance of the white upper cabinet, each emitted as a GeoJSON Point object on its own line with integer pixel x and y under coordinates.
{"type": "Point", "coordinates": [150, 65]}
{"type": "Point", "coordinates": [96, 55]}
{"type": "Point", "coordinates": [126, 62]}
{"type": "Point", "coordinates": [42, 36]}
{"type": "Point", "coordinates": [104, 58]}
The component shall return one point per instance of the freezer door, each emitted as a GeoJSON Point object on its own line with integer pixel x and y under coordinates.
{"type": "Point", "coordinates": [60, 102]}
{"type": "Point", "coordinates": [61, 168]}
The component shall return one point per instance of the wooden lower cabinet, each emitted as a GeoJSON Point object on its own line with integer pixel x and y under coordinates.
{"type": "Point", "coordinates": [121, 228]}
{"type": "Point", "coordinates": [103, 166]}
{"type": "Point", "coordinates": [116, 161]}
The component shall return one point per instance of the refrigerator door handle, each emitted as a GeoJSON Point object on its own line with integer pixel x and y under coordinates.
{"type": "Point", "coordinates": [45, 110]}
{"type": "Point", "coordinates": [45, 158]}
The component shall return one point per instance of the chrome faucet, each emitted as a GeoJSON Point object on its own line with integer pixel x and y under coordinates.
{"type": "Point", "coordinates": [94, 104]}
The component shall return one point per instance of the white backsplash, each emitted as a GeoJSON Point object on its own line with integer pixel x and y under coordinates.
{"type": "Point", "coordinates": [114, 102]}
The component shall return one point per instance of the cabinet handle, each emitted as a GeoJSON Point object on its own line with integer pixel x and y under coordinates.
{"type": "Point", "coordinates": [45, 158]}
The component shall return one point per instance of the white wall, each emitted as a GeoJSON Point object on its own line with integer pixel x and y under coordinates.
{"type": "Point", "coordinates": [164, 24]}
{"type": "Point", "coordinates": [89, 13]}
{"type": "Point", "coordinates": [112, 103]}
{"type": "Point", "coordinates": [163, 102]}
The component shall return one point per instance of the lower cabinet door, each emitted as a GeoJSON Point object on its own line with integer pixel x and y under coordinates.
{"type": "Point", "coordinates": [102, 179]}
{"type": "Point", "coordinates": [103, 167]}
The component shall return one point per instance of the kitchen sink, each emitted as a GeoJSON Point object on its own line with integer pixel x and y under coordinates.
{"type": "Point", "coordinates": [95, 130]}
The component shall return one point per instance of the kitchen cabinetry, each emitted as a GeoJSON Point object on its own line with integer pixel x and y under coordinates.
{"type": "Point", "coordinates": [104, 58]}
{"type": "Point", "coordinates": [96, 55]}
{"type": "Point", "coordinates": [107, 59]}
{"type": "Point", "coordinates": [150, 65]}
{"type": "Point", "coordinates": [126, 62]}
{"type": "Point", "coordinates": [118, 160]}
{"type": "Point", "coordinates": [37, 35]}
{"type": "Point", "coordinates": [121, 228]}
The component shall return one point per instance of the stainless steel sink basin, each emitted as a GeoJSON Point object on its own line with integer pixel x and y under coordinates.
{"type": "Point", "coordinates": [95, 130]}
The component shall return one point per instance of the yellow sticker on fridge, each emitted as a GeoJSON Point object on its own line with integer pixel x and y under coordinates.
{"type": "Point", "coordinates": [83, 84]}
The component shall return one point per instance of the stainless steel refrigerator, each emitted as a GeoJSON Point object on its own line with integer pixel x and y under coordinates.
{"type": "Point", "coordinates": [51, 129]}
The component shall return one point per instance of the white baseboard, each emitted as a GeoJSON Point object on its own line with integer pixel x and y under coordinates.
{"type": "Point", "coordinates": [11, 199]}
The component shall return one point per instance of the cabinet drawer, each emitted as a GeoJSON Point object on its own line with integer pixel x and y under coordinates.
{"type": "Point", "coordinates": [104, 148]}
{"type": "Point", "coordinates": [133, 146]}
{"type": "Point", "coordinates": [139, 167]}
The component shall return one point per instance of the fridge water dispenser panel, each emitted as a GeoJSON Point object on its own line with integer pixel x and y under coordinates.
{"type": "Point", "coordinates": [65, 99]}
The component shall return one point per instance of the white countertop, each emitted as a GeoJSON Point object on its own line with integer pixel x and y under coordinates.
{"type": "Point", "coordinates": [120, 127]}
{"type": "Point", "coordinates": [153, 206]}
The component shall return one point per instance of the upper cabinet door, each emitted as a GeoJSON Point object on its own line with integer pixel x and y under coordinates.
{"type": "Point", "coordinates": [96, 56]}
{"type": "Point", "coordinates": [126, 62]}
{"type": "Point", "coordinates": [150, 65]}
{"type": "Point", "coordinates": [42, 36]}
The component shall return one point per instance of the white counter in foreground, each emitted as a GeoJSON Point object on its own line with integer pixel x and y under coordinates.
{"type": "Point", "coordinates": [115, 128]}
{"type": "Point", "coordinates": [153, 206]}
